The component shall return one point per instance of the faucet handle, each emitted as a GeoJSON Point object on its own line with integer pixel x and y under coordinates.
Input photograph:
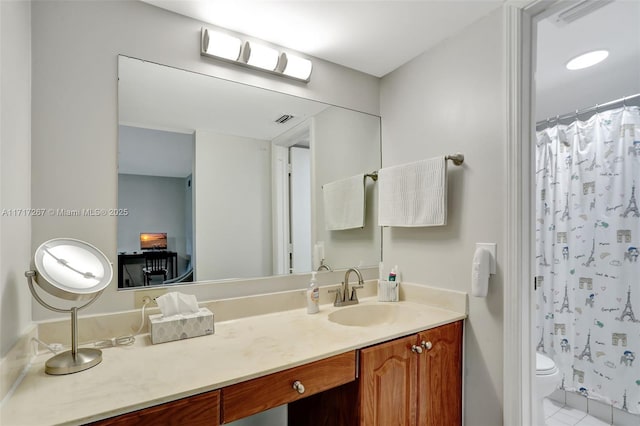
{"type": "Point", "coordinates": [354, 295]}
{"type": "Point", "coordinates": [338, 295]}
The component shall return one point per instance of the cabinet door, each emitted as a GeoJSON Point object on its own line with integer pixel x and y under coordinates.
{"type": "Point", "coordinates": [440, 376]}
{"type": "Point", "coordinates": [388, 384]}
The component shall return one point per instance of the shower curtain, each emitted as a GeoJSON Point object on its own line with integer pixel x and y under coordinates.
{"type": "Point", "coordinates": [587, 248]}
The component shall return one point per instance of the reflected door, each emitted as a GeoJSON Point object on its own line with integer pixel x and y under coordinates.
{"type": "Point", "coordinates": [300, 209]}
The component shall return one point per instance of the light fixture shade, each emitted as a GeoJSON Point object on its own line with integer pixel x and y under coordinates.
{"type": "Point", "coordinates": [221, 45]}
{"type": "Point", "coordinates": [72, 269]}
{"type": "Point", "coordinates": [254, 55]}
{"type": "Point", "coordinates": [261, 56]}
{"type": "Point", "coordinates": [587, 59]}
{"type": "Point", "coordinates": [297, 67]}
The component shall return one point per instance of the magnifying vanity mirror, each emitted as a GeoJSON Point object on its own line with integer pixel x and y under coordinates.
{"type": "Point", "coordinates": [227, 178]}
{"type": "Point", "coordinates": [72, 270]}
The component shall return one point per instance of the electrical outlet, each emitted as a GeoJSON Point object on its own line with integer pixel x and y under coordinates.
{"type": "Point", "coordinates": [140, 295]}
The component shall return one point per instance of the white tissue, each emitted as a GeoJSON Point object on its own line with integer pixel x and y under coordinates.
{"type": "Point", "coordinates": [175, 303]}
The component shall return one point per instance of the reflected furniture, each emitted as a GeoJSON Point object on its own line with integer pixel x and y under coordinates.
{"type": "Point", "coordinates": [125, 259]}
{"type": "Point", "coordinates": [155, 264]}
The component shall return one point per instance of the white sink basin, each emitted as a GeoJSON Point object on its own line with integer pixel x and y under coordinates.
{"type": "Point", "coordinates": [365, 315]}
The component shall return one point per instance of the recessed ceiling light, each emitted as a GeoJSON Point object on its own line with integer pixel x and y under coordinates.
{"type": "Point", "coordinates": [587, 59]}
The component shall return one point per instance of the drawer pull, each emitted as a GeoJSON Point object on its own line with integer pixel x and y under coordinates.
{"type": "Point", "coordinates": [426, 345]}
{"type": "Point", "coordinates": [298, 386]}
{"type": "Point", "coordinates": [416, 349]}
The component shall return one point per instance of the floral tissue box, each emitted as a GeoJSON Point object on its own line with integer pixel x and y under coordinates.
{"type": "Point", "coordinates": [182, 326]}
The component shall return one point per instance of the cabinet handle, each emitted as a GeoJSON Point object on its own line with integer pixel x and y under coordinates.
{"type": "Point", "coordinates": [426, 345]}
{"type": "Point", "coordinates": [298, 386]}
{"type": "Point", "coordinates": [416, 349]}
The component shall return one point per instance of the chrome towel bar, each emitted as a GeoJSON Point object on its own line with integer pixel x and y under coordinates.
{"type": "Point", "coordinates": [457, 159]}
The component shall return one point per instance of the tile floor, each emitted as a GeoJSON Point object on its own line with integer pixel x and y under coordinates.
{"type": "Point", "coordinates": [569, 408]}
{"type": "Point", "coordinates": [559, 414]}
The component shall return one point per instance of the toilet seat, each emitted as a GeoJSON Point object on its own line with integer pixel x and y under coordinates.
{"type": "Point", "coordinates": [545, 365]}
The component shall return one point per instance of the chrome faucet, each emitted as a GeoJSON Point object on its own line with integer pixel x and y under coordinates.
{"type": "Point", "coordinates": [341, 293]}
{"type": "Point", "coordinates": [324, 266]}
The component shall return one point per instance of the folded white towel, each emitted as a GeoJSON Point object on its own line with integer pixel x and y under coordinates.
{"type": "Point", "coordinates": [413, 194]}
{"type": "Point", "coordinates": [344, 203]}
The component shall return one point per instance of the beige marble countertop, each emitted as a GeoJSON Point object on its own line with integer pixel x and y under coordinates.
{"type": "Point", "coordinates": [143, 375]}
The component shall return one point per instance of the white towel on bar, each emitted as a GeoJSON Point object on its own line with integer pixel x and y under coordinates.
{"type": "Point", "coordinates": [413, 194]}
{"type": "Point", "coordinates": [344, 203]}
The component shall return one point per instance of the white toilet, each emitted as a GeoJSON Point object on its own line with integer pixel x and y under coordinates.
{"type": "Point", "coordinates": [547, 380]}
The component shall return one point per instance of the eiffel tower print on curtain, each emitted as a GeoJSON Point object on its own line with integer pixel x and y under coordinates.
{"type": "Point", "coordinates": [628, 310]}
{"type": "Point", "coordinates": [591, 259]}
{"type": "Point", "coordinates": [565, 301]}
{"type": "Point", "coordinates": [586, 352]}
{"type": "Point", "coordinates": [632, 207]}
{"type": "Point", "coordinates": [540, 347]}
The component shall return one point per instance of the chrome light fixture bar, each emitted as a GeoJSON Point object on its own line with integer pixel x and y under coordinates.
{"type": "Point", "coordinates": [228, 48]}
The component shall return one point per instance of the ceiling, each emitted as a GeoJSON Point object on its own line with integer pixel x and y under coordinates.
{"type": "Point", "coordinates": [374, 37]}
{"type": "Point", "coordinates": [615, 27]}
{"type": "Point", "coordinates": [160, 107]}
{"type": "Point", "coordinates": [165, 98]}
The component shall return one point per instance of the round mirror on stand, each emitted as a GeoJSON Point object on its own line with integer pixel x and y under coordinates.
{"type": "Point", "coordinates": [72, 270]}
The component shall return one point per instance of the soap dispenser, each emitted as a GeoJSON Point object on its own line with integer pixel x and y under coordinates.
{"type": "Point", "coordinates": [313, 295]}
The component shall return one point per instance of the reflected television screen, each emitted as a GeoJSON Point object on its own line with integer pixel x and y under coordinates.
{"type": "Point", "coordinates": [153, 240]}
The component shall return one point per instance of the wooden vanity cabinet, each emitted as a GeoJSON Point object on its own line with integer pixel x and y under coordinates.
{"type": "Point", "coordinates": [416, 380]}
{"type": "Point", "coordinates": [401, 382]}
{"type": "Point", "coordinates": [411, 381]}
{"type": "Point", "coordinates": [197, 410]}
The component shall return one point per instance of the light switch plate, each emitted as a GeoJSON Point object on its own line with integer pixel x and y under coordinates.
{"type": "Point", "coordinates": [491, 247]}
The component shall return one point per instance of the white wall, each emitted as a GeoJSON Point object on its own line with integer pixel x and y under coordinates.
{"type": "Point", "coordinates": [152, 152]}
{"type": "Point", "coordinates": [346, 143]}
{"type": "Point", "coordinates": [15, 169]}
{"type": "Point", "coordinates": [232, 219]}
{"type": "Point", "coordinates": [74, 116]}
{"type": "Point", "coordinates": [452, 98]}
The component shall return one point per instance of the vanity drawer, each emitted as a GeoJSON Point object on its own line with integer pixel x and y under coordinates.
{"type": "Point", "coordinates": [253, 396]}
{"type": "Point", "coordinates": [197, 410]}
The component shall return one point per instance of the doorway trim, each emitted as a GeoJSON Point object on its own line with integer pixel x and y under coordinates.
{"type": "Point", "coordinates": [281, 214]}
{"type": "Point", "coordinates": [520, 19]}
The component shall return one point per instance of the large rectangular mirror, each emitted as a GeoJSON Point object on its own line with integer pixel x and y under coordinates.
{"type": "Point", "coordinates": [222, 180]}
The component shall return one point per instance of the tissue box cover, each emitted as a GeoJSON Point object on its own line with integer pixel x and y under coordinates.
{"type": "Point", "coordinates": [182, 326]}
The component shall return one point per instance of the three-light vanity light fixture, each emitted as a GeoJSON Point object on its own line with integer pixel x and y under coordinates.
{"type": "Point", "coordinates": [254, 55]}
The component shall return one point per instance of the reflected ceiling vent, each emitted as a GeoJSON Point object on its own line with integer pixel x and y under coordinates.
{"type": "Point", "coordinates": [283, 118]}
{"type": "Point", "coordinates": [579, 10]}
